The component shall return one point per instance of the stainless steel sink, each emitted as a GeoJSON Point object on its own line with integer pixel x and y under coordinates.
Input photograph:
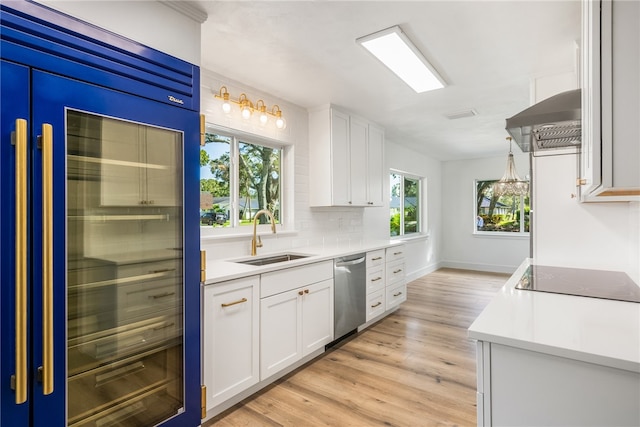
{"type": "Point", "coordinates": [272, 259]}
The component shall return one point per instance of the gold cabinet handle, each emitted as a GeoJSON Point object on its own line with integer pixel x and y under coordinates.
{"type": "Point", "coordinates": [229, 304]}
{"type": "Point", "coordinates": [376, 258]}
{"type": "Point", "coordinates": [398, 294]}
{"type": "Point", "coordinates": [376, 279]}
{"type": "Point", "coordinates": [300, 293]}
{"type": "Point", "coordinates": [397, 253]}
{"type": "Point", "coordinates": [397, 271]}
{"type": "Point", "coordinates": [306, 291]}
{"type": "Point", "coordinates": [376, 305]}
{"type": "Point", "coordinates": [47, 258]}
{"type": "Point", "coordinates": [19, 380]}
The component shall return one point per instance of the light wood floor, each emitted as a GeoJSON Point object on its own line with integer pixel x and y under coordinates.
{"type": "Point", "coordinates": [416, 367]}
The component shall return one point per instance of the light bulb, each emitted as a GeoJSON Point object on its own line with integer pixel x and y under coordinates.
{"type": "Point", "coordinates": [226, 107]}
{"type": "Point", "coordinates": [246, 112]}
{"type": "Point", "coordinates": [280, 123]}
{"type": "Point", "coordinates": [263, 118]}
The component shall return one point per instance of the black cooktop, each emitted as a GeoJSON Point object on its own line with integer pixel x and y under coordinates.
{"type": "Point", "coordinates": [614, 285]}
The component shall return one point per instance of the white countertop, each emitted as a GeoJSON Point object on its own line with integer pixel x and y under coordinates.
{"type": "Point", "coordinates": [223, 270]}
{"type": "Point", "coordinates": [593, 330]}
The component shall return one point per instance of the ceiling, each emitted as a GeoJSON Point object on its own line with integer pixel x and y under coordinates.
{"type": "Point", "coordinates": [487, 51]}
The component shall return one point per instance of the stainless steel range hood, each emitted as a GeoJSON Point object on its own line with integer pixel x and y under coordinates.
{"type": "Point", "coordinates": [549, 124]}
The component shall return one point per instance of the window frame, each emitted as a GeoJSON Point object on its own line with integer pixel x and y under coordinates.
{"type": "Point", "coordinates": [422, 214]}
{"type": "Point", "coordinates": [287, 202]}
{"type": "Point", "coordinates": [508, 234]}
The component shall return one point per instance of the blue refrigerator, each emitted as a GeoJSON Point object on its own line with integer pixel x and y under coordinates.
{"type": "Point", "coordinates": [99, 234]}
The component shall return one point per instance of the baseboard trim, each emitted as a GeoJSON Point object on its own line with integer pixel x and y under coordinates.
{"type": "Point", "coordinates": [422, 272]}
{"type": "Point", "coordinates": [492, 268]}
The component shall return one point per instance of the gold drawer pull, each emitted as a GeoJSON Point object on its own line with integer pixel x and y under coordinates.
{"type": "Point", "coordinates": [376, 258]}
{"type": "Point", "coordinates": [376, 279]}
{"type": "Point", "coordinates": [164, 295]}
{"type": "Point", "coordinates": [397, 271]}
{"type": "Point", "coordinates": [397, 253]}
{"type": "Point", "coordinates": [398, 294]}
{"type": "Point", "coordinates": [306, 291]}
{"type": "Point", "coordinates": [229, 304]}
{"type": "Point", "coordinates": [375, 305]}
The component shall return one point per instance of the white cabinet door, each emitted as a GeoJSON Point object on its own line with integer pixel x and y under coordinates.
{"type": "Point", "coordinates": [280, 332]}
{"type": "Point", "coordinates": [340, 183]}
{"type": "Point", "coordinates": [345, 162]}
{"type": "Point", "coordinates": [163, 154]}
{"type": "Point", "coordinates": [610, 101]}
{"type": "Point", "coordinates": [358, 131]}
{"type": "Point", "coordinates": [120, 171]}
{"type": "Point", "coordinates": [230, 338]}
{"type": "Point", "coordinates": [375, 166]}
{"type": "Point", "coordinates": [141, 165]}
{"type": "Point", "coordinates": [317, 316]}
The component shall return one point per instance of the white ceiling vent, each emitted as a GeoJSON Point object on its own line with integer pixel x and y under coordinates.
{"type": "Point", "coordinates": [461, 114]}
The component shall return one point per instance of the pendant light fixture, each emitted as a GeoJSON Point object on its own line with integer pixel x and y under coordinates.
{"type": "Point", "coordinates": [510, 184]}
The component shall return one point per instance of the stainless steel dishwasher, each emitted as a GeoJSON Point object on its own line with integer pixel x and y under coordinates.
{"type": "Point", "coordinates": [349, 274]}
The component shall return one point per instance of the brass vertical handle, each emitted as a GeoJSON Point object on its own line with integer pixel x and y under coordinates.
{"type": "Point", "coordinates": [19, 380]}
{"type": "Point", "coordinates": [202, 130]}
{"type": "Point", "coordinates": [203, 266]}
{"type": "Point", "coordinates": [47, 258]}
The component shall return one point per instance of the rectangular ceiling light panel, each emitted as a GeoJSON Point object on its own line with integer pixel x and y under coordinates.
{"type": "Point", "coordinates": [394, 49]}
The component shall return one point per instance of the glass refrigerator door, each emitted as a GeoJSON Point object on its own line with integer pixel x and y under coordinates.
{"type": "Point", "coordinates": [124, 271]}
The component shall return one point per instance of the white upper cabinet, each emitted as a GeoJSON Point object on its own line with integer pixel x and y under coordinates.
{"type": "Point", "coordinates": [345, 159]}
{"type": "Point", "coordinates": [610, 101]}
{"type": "Point", "coordinates": [139, 166]}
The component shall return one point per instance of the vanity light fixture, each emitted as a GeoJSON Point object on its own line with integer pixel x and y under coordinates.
{"type": "Point", "coordinates": [262, 108]}
{"type": "Point", "coordinates": [247, 108]}
{"type": "Point", "coordinates": [226, 106]}
{"type": "Point", "coordinates": [275, 111]}
{"type": "Point", "coordinates": [510, 184]}
{"type": "Point", "coordinates": [395, 50]}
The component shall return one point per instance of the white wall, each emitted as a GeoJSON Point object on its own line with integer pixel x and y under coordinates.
{"type": "Point", "coordinates": [460, 247]}
{"type": "Point", "coordinates": [150, 23]}
{"type": "Point", "coordinates": [303, 225]}
{"type": "Point", "coordinates": [567, 233]}
{"type": "Point", "coordinates": [422, 254]}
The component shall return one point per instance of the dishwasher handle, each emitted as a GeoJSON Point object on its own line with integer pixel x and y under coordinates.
{"type": "Point", "coordinates": [351, 262]}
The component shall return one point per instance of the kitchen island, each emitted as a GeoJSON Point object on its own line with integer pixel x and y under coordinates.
{"type": "Point", "coordinates": [557, 360]}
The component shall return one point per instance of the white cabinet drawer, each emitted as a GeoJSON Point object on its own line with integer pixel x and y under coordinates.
{"type": "Point", "coordinates": [375, 258]}
{"type": "Point", "coordinates": [284, 280]}
{"type": "Point", "coordinates": [396, 295]}
{"type": "Point", "coordinates": [375, 279]}
{"type": "Point", "coordinates": [375, 304]}
{"type": "Point", "coordinates": [395, 253]}
{"type": "Point", "coordinates": [395, 272]}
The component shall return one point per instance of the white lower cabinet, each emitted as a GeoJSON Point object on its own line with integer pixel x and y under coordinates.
{"type": "Point", "coordinates": [518, 387]}
{"type": "Point", "coordinates": [231, 338]}
{"type": "Point", "coordinates": [396, 286]}
{"type": "Point", "coordinates": [375, 284]}
{"type": "Point", "coordinates": [295, 321]}
{"type": "Point", "coordinates": [375, 304]}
